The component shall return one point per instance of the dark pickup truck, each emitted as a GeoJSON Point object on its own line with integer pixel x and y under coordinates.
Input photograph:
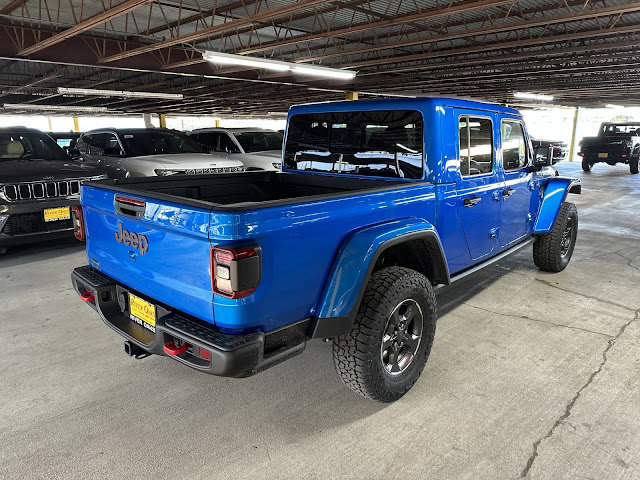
{"type": "Point", "coordinates": [615, 143]}
{"type": "Point", "coordinates": [39, 185]}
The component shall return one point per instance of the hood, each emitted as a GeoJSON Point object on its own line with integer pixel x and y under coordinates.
{"type": "Point", "coordinates": [270, 154]}
{"type": "Point", "coordinates": [15, 171]}
{"type": "Point", "coordinates": [188, 160]}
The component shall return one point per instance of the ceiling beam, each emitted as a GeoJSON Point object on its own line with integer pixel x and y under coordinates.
{"type": "Point", "coordinates": [12, 6]}
{"type": "Point", "coordinates": [504, 27]}
{"type": "Point", "coordinates": [501, 45]}
{"type": "Point", "coordinates": [430, 13]}
{"type": "Point", "coordinates": [216, 29]}
{"type": "Point", "coordinates": [121, 9]}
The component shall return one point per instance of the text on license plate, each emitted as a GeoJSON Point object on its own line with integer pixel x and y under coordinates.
{"type": "Point", "coordinates": [603, 155]}
{"type": "Point", "coordinates": [58, 213]}
{"type": "Point", "coordinates": [142, 312]}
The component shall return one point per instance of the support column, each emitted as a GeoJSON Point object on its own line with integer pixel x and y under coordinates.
{"type": "Point", "coordinates": [352, 96]}
{"type": "Point", "coordinates": [163, 120]}
{"type": "Point", "coordinates": [573, 133]}
{"type": "Point", "coordinates": [50, 126]}
{"type": "Point", "coordinates": [76, 125]}
{"type": "Point", "coordinates": [217, 122]}
{"type": "Point", "coordinates": [146, 117]}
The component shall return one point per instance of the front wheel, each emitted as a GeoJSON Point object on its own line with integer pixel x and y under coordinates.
{"type": "Point", "coordinates": [633, 165]}
{"type": "Point", "coordinates": [586, 165]}
{"type": "Point", "coordinates": [387, 348]}
{"type": "Point", "coordinates": [552, 251]}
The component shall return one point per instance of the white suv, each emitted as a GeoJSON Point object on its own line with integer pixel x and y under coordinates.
{"type": "Point", "coordinates": [257, 148]}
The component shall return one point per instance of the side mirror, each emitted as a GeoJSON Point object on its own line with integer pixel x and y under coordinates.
{"type": "Point", "coordinates": [113, 152]}
{"type": "Point", "coordinates": [542, 157]}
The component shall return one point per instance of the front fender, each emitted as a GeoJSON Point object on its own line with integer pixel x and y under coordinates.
{"type": "Point", "coordinates": [554, 193]}
{"type": "Point", "coordinates": [356, 258]}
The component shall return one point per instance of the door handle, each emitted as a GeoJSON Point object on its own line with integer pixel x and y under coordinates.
{"type": "Point", "coordinates": [507, 192]}
{"type": "Point", "coordinates": [471, 201]}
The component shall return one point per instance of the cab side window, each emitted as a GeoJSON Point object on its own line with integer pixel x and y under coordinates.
{"type": "Point", "coordinates": [476, 145]}
{"type": "Point", "coordinates": [514, 146]}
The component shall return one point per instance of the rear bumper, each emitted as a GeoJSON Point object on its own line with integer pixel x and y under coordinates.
{"type": "Point", "coordinates": [229, 355]}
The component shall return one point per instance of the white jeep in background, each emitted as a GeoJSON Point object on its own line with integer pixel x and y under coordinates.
{"type": "Point", "coordinates": [256, 148]}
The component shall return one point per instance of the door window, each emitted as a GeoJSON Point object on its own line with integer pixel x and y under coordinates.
{"type": "Point", "coordinates": [476, 145]}
{"type": "Point", "coordinates": [514, 146]}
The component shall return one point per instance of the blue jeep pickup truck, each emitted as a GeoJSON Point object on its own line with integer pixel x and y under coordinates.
{"type": "Point", "coordinates": [378, 204]}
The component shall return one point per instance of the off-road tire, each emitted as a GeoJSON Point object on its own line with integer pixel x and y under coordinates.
{"type": "Point", "coordinates": [548, 248]}
{"type": "Point", "coordinates": [586, 165]}
{"type": "Point", "coordinates": [633, 164]}
{"type": "Point", "coordinates": [358, 356]}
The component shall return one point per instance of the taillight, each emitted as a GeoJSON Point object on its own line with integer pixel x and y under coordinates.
{"type": "Point", "coordinates": [235, 273]}
{"type": "Point", "coordinates": [78, 222]}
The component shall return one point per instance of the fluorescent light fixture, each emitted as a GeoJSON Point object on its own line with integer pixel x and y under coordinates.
{"type": "Point", "coordinates": [244, 61]}
{"type": "Point", "coordinates": [324, 72]}
{"type": "Point", "coordinates": [118, 93]}
{"type": "Point", "coordinates": [533, 96]}
{"type": "Point", "coordinates": [277, 65]}
{"type": "Point", "coordinates": [53, 108]}
{"type": "Point", "coordinates": [611, 105]}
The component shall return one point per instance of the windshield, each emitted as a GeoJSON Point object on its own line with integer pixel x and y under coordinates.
{"type": "Point", "coordinates": [259, 141]}
{"type": "Point", "coordinates": [385, 143]}
{"type": "Point", "coordinates": [612, 129]}
{"type": "Point", "coordinates": [29, 145]}
{"type": "Point", "coordinates": [137, 144]}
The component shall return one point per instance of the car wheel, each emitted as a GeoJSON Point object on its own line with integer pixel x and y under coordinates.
{"type": "Point", "coordinates": [388, 346]}
{"type": "Point", "coordinates": [633, 165]}
{"type": "Point", "coordinates": [552, 251]}
{"type": "Point", "coordinates": [586, 165]}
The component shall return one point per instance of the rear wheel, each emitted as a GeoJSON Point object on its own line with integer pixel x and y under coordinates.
{"type": "Point", "coordinates": [633, 164]}
{"type": "Point", "coordinates": [552, 251]}
{"type": "Point", "coordinates": [586, 165]}
{"type": "Point", "coordinates": [387, 348]}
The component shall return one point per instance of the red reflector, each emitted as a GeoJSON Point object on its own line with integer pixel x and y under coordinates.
{"type": "Point", "coordinates": [171, 348]}
{"type": "Point", "coordinates": [205, 354]}
{"type": "Point", "coordinates": [624, 155]}
{"type": "Point", "coordinates": [581, 154]}
{"type": "Point", "coordinates": [87, 297]}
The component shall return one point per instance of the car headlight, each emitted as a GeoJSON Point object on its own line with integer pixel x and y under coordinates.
{"type": "Point", "coordinates": [165, 173]}
{"type": "Point", "coordinates": [277, 165]}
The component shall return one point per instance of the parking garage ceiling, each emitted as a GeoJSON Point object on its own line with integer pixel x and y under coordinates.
{"type": "Point", "coordinates": [583, 53]}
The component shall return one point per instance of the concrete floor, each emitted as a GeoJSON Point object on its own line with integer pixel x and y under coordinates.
{"type": "Point", "coordinates": [532, 375]}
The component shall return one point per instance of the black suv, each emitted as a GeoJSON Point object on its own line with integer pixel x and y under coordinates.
{"type": "Point", "coordinates": [39, 184]}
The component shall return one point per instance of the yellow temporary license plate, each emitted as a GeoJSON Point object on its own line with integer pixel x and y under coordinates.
{"type": "Point", "coordinates": [142, 312]}
{"type": "Point", "coordinates": [603, 155]}
{"type": "Point", "coordinates": [58, 213]}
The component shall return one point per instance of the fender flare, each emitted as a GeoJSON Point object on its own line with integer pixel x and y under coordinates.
{"type": "Point", "coordinates": [554, 193]}
{"type": "Point", "coordinates": [353, 265]}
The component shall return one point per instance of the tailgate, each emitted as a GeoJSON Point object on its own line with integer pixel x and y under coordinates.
{"type": "Point", "coordinates": [168, 253]}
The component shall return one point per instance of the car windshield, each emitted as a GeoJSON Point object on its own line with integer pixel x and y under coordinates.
{"type": "Point", "coordinates": [259, 141]}
{"type": "Point", "coordinates": [612, 129]}
{"type": "Point", "coordinates": [29, 145]}
{"type": "Point", "coordinates": [137, 144]}
{"type": "Point", "coordinates": [372, 143]}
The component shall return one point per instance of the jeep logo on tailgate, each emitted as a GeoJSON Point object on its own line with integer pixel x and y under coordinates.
{"type": "Point", "coordinates": [132, 238]}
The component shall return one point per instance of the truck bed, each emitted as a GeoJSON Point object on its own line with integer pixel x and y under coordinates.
{"type": "Point", "coordinates": [249, 190]}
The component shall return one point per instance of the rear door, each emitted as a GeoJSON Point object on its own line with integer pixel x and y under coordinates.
{"type": "Point", "coordinates": [480, 184]}
{"type": "Point", "coordinates": [515, 222]}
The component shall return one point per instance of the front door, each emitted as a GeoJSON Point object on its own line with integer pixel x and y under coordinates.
{"type": "Point", "coordinates": [515, 222]}
{"type": "Point", "coordinates": [480, 184]}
